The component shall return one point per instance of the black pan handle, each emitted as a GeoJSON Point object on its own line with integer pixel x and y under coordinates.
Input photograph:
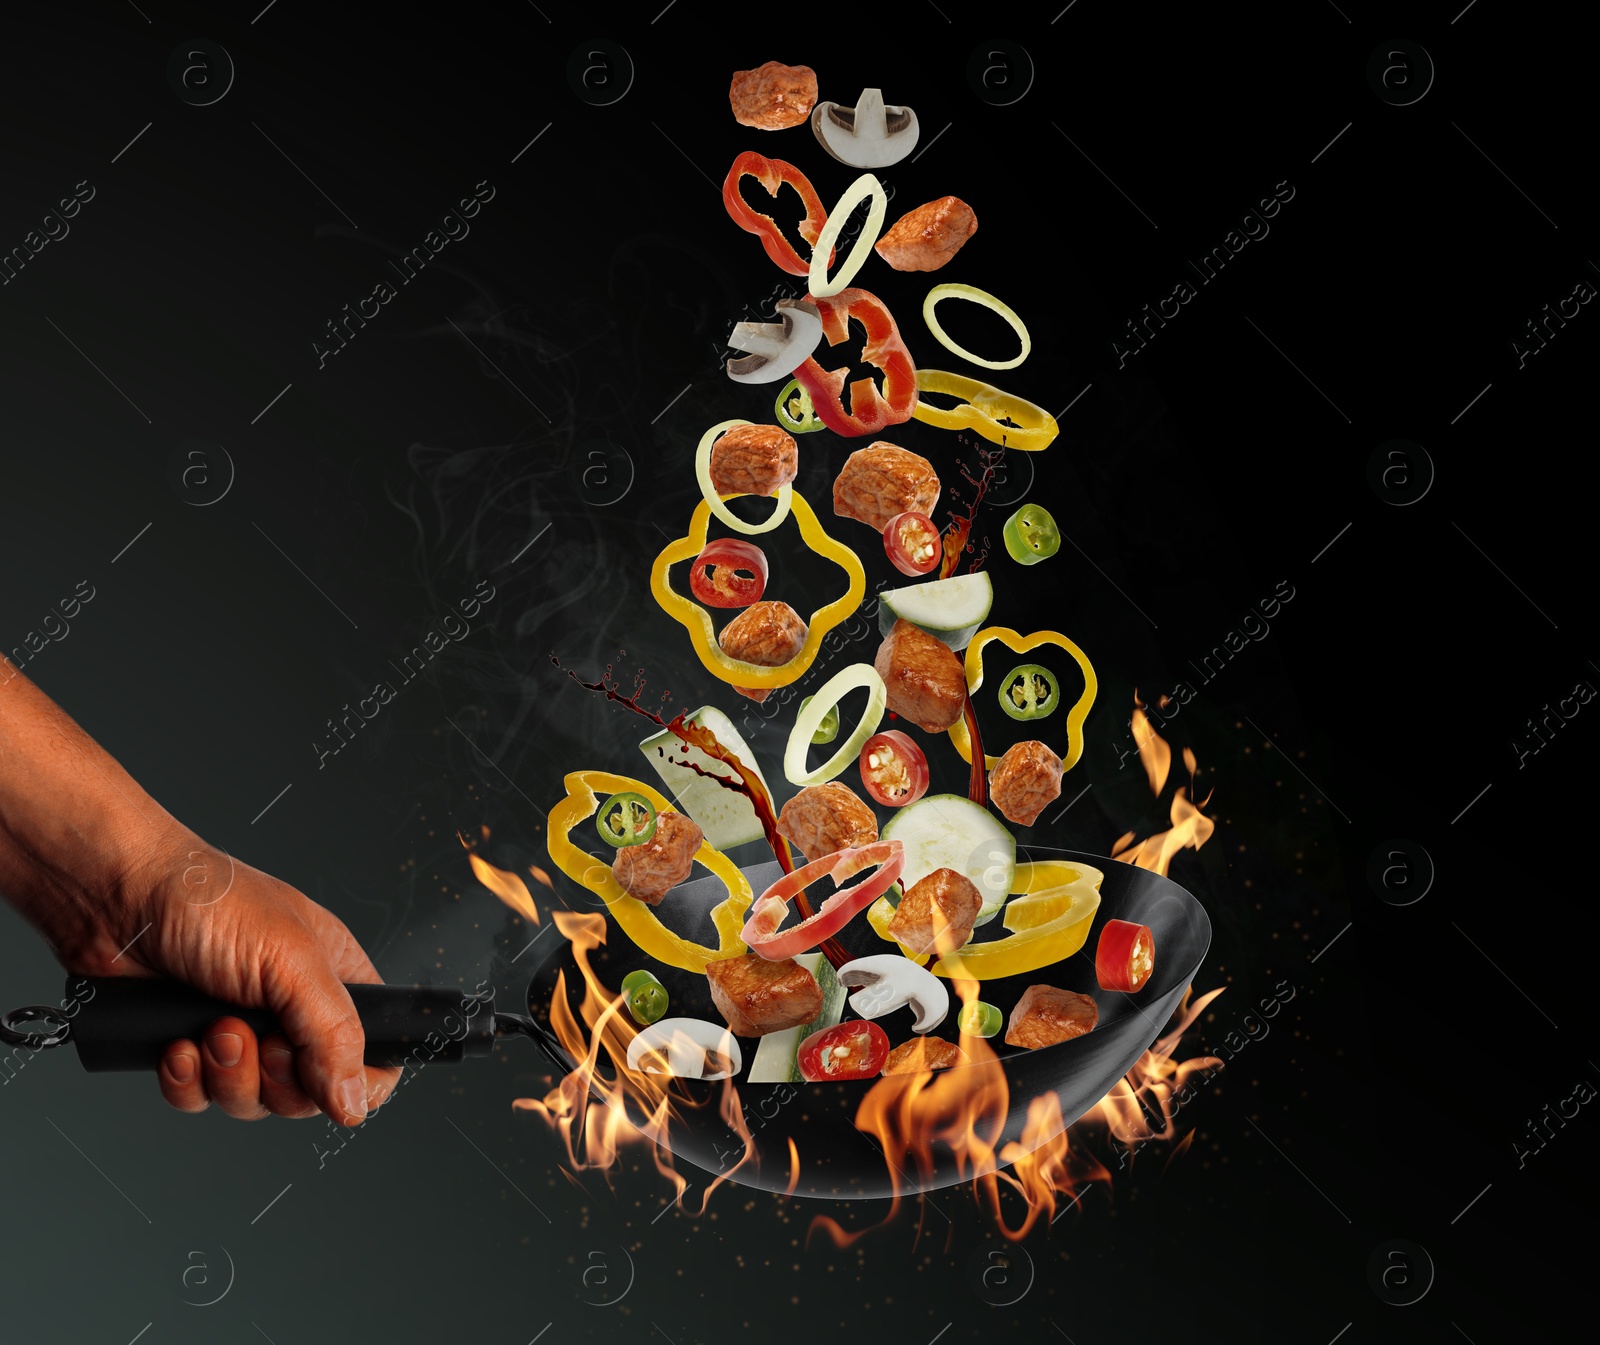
{"type": "Point", "coordinates": [127, 1022]}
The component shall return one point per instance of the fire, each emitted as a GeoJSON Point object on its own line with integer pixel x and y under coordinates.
{"type": "Point", "coordinates": [596, 1111]}
{"type": "Point", "coordinates": [599, 1107]}
{"type": "Point", "coordinates": [1190, 827]}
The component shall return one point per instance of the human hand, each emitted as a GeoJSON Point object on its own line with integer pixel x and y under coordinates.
{"type": "Point", "coordinates": [118, 887]}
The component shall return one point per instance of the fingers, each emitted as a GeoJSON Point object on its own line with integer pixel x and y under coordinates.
{"type": "Point", "coordinates": [230, 1069]}
{"type": "Point", "coordinates": [317, 1015]}
{"type": "Point", "coordinates": [179, 1077]}
{"type": "Point", "coordinates": [281, 1092]}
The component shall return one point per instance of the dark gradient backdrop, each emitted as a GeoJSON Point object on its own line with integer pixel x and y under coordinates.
{"type": "Point", "coordinates": [521, 416]}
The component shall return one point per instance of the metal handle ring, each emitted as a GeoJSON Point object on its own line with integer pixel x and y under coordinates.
{"type": "Point", "coordinates": [35, 1013]}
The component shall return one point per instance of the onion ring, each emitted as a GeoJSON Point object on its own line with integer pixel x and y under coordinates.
{"type": "Point", "coordinates": [702, 474]}
{"type": "Point", "coordinates": [972, 294]}
{"type": "Point", "coordinates": [817, 279]}
{"type": "Point", "coordinates": [810, 718]}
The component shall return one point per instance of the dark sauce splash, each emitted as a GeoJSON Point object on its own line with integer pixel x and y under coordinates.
{"type": "Point", "coordinates": [958, 532]}
{"type": "Point", "coordinates": [744, 780]}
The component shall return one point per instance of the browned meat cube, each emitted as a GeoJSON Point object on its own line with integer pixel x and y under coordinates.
{"type": "Point", "coordinates": [765, 633]}
{"type": "Point", "coordinates": [774, 96]}
{"type": "Point", "coordinates": [925, 680]}
{"type": "Point", "coordinates": [757, 996]}
{"type": "Point", "coordinates": [880, 481]}
{"type": "Point", "coordinates": [922, 1054]}
{"type": "Point", "coordinates": [1045, 1015]}
{"type": "Point", "coordinates": [1025, 781]}
{"type": "Point", "coordinates": [823, 819]}
{"type": "Point", "coordinates": [651, 870]}
{"type": "Point", "coordinates": [753, 460]}
{"type": "Point", "coordinates": [936, 913]}
{"type": "Point", "coordinates": [926, 238]}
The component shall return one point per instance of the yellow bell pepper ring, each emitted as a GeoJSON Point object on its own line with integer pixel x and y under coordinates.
{"type": "Point", "coordinates": [1021, 644]}
{"type": "Point", "coordinates": [1042, 945]}
{"type": "Point", "coordinates": [982, 409]}
{"type": "Point", "coordinates": [585, 789]}
{"type": "Point", "coordinates": [697, 621]}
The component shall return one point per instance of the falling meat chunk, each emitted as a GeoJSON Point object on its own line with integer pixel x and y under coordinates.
{"type": "Point", "coordinates": [925, 680]}
{"type": "Point", "coordinates": [774, 96]}
{"type": "Point", "coordinates": [758, 996]}
{"type": "Point", "coordinates": [765, 633]}
{"type": "Point", "coordinates": [1025, 782]}
{"type": "Point", "coordinates": [921, 1054]}
{"type": "Point", "coordinates": [880, 481]}
{"type": "Point", "coordinates": [651, 870]}
{"type": "Point", "coordinates": [823, 819]}
{"type": "Point", "coordinates": [926, 238]}
{"type": "Point", "coordinates": [1045, 1016]}
{"type": "Point", "coordinates": [936, 913]}
{"type": "Point", "coordinates": [753, 460]}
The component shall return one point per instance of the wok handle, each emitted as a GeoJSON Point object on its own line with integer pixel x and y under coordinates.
{"type": "Point", "coordinates": [127, 1022]}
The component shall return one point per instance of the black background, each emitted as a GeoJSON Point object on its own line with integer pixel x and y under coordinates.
{"type": "Point", "coordinates": [1391, 1100]}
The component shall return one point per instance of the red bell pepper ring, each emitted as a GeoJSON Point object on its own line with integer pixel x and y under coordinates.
{"type": "Point", "coordinates": [870, 410]}
{"type": "Point", "coordinates": [853, 1050]}
{"type": "Point", "coordinates": [772, 174]}
{"type": "Point", "coordinates": [761, 931]}
{"type": "Point", "coordinates": [1125, 956]}
{"type": "Point", "coordinates": [725, 586]}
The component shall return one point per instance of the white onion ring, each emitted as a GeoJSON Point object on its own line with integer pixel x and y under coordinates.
{"type": "Point", "coordinates": [972, 294]}
{"type": "Point", "coordinates": [702, 474]}
{"type": "Point", "coordinates": [817, 280]}
{"type": "Point", "coordinates": [809, 720]}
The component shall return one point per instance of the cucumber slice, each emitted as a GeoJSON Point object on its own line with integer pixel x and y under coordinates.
{"type": "Point", "coordinates": [726, 817]}
{"type": "Point", "coordinates": [777, 1058]}
{"type": "Point", "coordinates": [952, 610]}
{"type": "Point", "coordinates": [946, 831]}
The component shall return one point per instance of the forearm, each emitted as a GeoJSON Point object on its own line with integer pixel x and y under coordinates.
{"type": "Point", "coordinates": [81, 843]}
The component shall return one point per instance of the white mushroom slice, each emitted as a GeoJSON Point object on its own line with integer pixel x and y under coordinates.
{"type": "Point", "coordinates": [684, 1044]}
{"type": "Point", "coordinates": [868, 135]}
{"type": "Point", "coordinates": [775, 350]}
{"type": "Point", "coordinates": [889, 982]}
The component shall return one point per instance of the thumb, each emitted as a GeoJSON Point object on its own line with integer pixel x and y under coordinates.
{"type": "Point", "coordinates": [320, 1020]}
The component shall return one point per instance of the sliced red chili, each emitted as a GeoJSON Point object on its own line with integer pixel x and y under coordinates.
{"type": "Point", "coordinates": [729, 573]}
{"type": "Point", "coordinates": [894, 769]}
{"type": "Point", "coordinates": [772, 174]}
{"type": "Point", "coordinates": [913, 543]}
{"type": "Point", "coordinates": [1125, 956]}
{"type": "Point", "coordinates": [870, 410]}
{"type": "Point", "coordinates": [853, 1050]}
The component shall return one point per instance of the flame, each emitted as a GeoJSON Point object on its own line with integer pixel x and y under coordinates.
{"type": "Point", "coordinates": [1190, 827]}
{"type": "Point", "coordinates": [1154, 753]}
{"type": "Point", "coordinates": [909, 1118]}
{"type": "Point", "coordinates": [507, 886]}
{"type": "Point", "coordinates": [596, 1112]}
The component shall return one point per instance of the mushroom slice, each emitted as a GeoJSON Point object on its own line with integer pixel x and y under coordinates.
{"type": "Point", "coordinates": [868, 135]}
{"type": "Point", "coordinates": [775, 350]}
{"type": "Point", "coordinates": [888, 982]}
{"type": "Point", "coordinates": [686, 1047]}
